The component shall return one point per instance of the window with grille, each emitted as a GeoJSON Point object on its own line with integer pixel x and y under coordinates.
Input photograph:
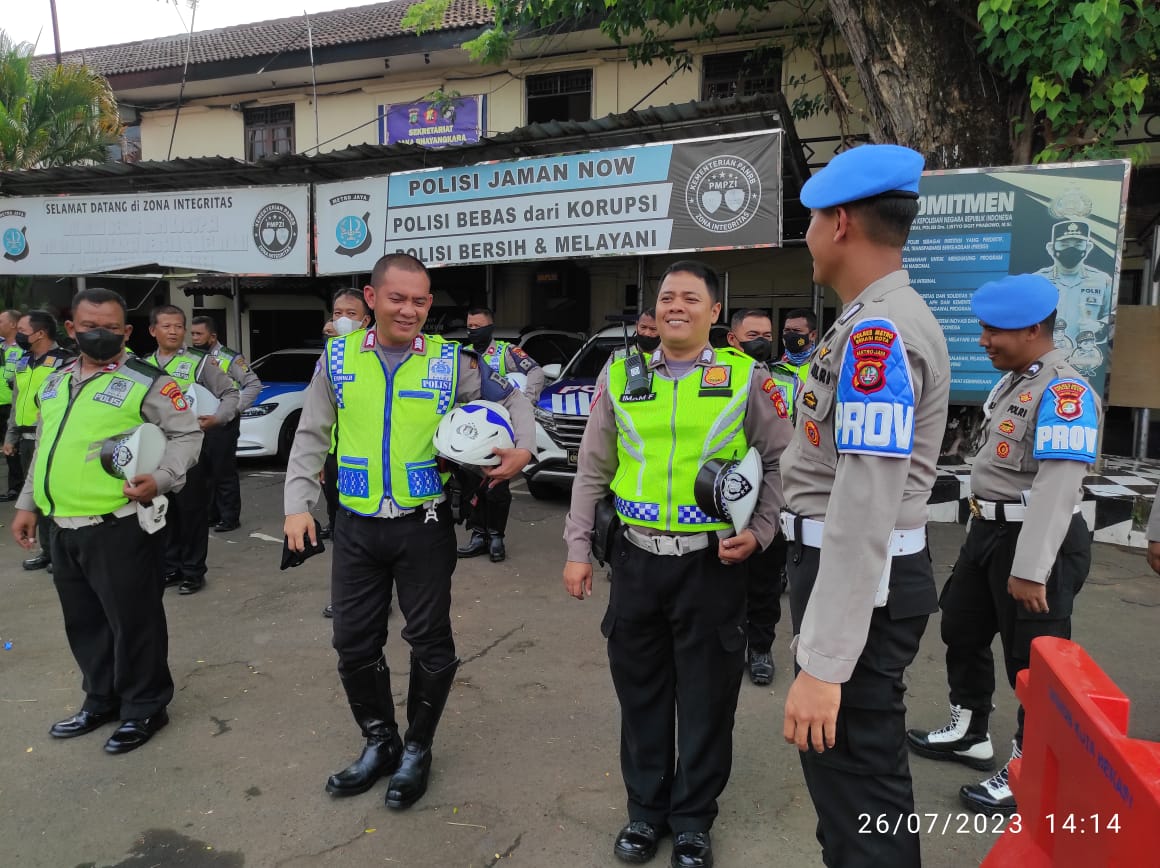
{"type": "Point", "coordinates": [741, 73]}
{"type": "Point", "coordinates": [559, 96]}
{"type": "Point", "coordinates": [269, 131]}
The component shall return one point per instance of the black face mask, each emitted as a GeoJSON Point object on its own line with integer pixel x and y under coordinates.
{"type": "Point", "coordinates": [648, 343]}
{"type": "Point", "coordinates": [758, 349]}
{"type": "Point", "coordinates": [24, 341]}
{"type": "Point", "coordinates": [100, 345]}
{"type": "Point", "coordinates": [480, 338]}
{"type": "Point", "coordinates": [794, 342]}
{"type": "Point", "coordinates": [1070, 257]}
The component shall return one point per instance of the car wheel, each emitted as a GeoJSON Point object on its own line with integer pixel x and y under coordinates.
{"type": "Point", "coordinates": [286, 435]}
{"type": "Point", "coordinates": [541, 490]}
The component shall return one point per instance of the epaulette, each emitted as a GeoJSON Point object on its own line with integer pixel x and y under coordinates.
{"type": "Point", "coordinates": [143, 367]}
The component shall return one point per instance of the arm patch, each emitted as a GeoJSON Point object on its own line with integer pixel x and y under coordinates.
{"type": "Point", "coordinates": [875, 402]}
{"type": "Point", "coordinates": [1067, 426]}
{"type": "Point", "coordinates": [493, 386]}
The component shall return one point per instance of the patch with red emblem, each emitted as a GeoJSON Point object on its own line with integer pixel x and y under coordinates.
{"type": "Point", "coordinates": [779, 403]}
{"type": "Point", "coordinates": [769, 385]}
{"type": "Point", "coordinates": [173, 392]}
{"type": "Point", "coordinates": [716, 376]}
{"type": "Point", "coordinates": [871, 348]}
{"type": "Point", "coordinates": [1007, 426]}
{"type": "Point", "coordinates": [369, 340]}
{"type": "Point", "coordinates": [812, 433]}
{"type": "Point", "coordinates": [1025, 398]}
{"type": "Point", "coordinates": [1003, 449]}
{"type": "Point", "coordinates": [1068, 399]}
{"type": "Point", "coordinates": [419, 345]}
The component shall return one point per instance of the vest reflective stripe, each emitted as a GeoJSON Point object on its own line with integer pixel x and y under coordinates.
{"type": "Point", "coordinates": [498, 361]}
{"type": "Point", "coordinates": [386, 421]}
{"type": "Point", "coordinates": [662, 442]}
{"type": "Point", "coordinates": [183, 367]}
{"type": "Point", "coordinates": [68, 478]}
{"type": "Point", "coordinates": [29, 379]}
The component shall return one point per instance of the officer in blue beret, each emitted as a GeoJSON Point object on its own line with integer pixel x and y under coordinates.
{"type": "Point", "coordinates": [1028, 549]}
{"type": "Point", "coordinates": [857, 475]}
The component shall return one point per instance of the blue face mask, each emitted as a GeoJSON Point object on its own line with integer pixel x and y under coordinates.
{"type": "Point", "coordinates": [797, 347]}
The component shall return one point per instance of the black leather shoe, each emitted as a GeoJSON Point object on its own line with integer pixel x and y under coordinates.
{"type": "Point", "coordinates": [10, 496]}
{"type": "Point", "coordinates": [409, 783]}
{"type": "Point", "coordinates": [81, 723]}
{"type": "Point", "coordinates": [131, 734]}
{"type": "Point", "coordinates": [760, 667]}
{"type": "Point", "coordinates": [190, 586]}
{"type": "Point", "coordinates": [496, 549]}
{"type": "Point", "coordinates": [326, 532]}
{"type": "Point", "coordinates": [475, 546]}
{"type": "Point", "coordinates": [380, 757]}
{"type": "Point", "coordinates": [637, 842]}
{"type": "Point", "coordinates": [173, 577]}
{"type": "Point", "coordinates": [226, 526]}
{"type": "Point", "coordinates": [39, 562]}
{"type": "Point", "coordinates": [692, 850]}
{"type": "Point", "coordinates": [328, 612]}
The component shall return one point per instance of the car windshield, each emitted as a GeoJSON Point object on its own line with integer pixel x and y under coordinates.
{"type": "Point", "coordinates": [588, 364]}
{"type": "Point", "coordinates": [286, 368]}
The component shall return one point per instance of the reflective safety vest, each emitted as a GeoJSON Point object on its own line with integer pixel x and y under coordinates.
{"type": "Point", "coordinates": [68, 478]}
{"type": "Point", "coordinates": [11, 356]}
{"type": "Point", "coordinates": [386, 420]}
{"type": "Point", "coordinates": [664, 438]}
{"type": "Point", "coordinates": [497, 361]}
{"type": "Point", "coordinates": [225, 357]}
{"type": "Point", "coordinates": [30, 376]}
{"type": "Point", "coordinates": [184, 367]}
{"type": "Point", "coordinates": [789, 380]}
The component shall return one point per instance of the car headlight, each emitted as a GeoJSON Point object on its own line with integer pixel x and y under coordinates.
{"type": "Point", "coordinates": [258, 411]}
{"type": "Point", "coordinates": [545, 418]}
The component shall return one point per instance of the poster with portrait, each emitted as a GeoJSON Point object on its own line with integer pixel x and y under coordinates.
{"type": "Point", "coordinates": [1064, 221]}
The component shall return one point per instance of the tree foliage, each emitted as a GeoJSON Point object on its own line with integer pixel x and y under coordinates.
{"type": "Point", "coordinates": [1059, 78]}
{"type": "Point", "coordinates": [63, 115]}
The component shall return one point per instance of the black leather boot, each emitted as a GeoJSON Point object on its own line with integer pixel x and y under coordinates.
{"type": "Point", "coordinates": [475, 546]}
{"type": "Point", "coordinates": [369, 692]}
{"type": "Point", "coordinates": [427, 695]}
{"type": "Point", "coordinates": [496, 549]}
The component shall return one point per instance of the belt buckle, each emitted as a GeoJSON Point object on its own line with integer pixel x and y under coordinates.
{"type": "Point", "coordinates": [973, 505]}
{"type": "Point", "coordinates": [666, 545]}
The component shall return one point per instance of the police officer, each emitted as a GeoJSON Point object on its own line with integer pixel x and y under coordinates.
{"type": "Point", "coordinates": [1085, 293]}
{"type": "Point", "coordinates": [1028, 549]}
{"type": "Point", "coordinates": [187, 541]}
{"type": "Point", "coordinates": [221, 442]}
{"type": "Point", "coordinates": [751, 332]}
{"type": "Point", "coordinates": [107, 568]}
{"type": "Point", "coordinates": [386, 389]}
{"type": "Point", "coordinates": [488, 516]}
{"type": "Point", "coordinates": [857, 477]}
{"type": "Point", "coordinates": [37, 329]}
{"type": "Point", "coordinates": [10, 353]}
{"type": "Point", "coordinates": [645, 339]}
{"type": "Point", "coordinates": [798, 337]}
{"type": "Point", "coordinates": [677, 601]}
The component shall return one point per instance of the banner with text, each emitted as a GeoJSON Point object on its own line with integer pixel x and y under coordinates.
{"type": "Point", "coordinates": [1064, 221]}
{"type": "Point", "coordinates": [458, 121]}
{"type": "Point", "coordinates": [719, 194]}
{"type": "Point", "coordinates": [234, 230]}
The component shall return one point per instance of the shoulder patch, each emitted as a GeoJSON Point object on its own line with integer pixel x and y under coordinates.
{"type": "Point", "coordinates": [779, 405]}
{"type": "Point", "coordinates": [176, 397]}
{"type": "Point", "coordinates": [875, 401]}
{"type": "Point", "coordinates": [1067, 427]}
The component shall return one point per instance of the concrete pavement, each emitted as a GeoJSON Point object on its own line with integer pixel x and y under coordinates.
{"type": "Point", "coordinates": [526, 769]}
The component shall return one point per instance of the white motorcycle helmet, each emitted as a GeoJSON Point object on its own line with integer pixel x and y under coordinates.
{"type": "Point", "coordinates": [470, 431]}
{"type": "Point", "coordinates": [520, 381]}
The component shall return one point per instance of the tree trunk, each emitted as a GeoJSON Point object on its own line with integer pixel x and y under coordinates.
{"type": "Point", "coordinates": [926, 85]}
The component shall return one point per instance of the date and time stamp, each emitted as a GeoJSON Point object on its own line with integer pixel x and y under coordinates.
{"type": "Point", "coordinates": [963, 823]}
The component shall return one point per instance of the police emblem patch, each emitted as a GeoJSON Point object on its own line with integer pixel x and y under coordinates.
{"type": "Point", "coordinates": [871, 347]}
{"type": "Point", "coordinates": [1007, 426]}
{"type": "Point", "coordinates": [1068, 399]}
{"type": "Point", "coordinates": [810, 400]}
{"type": "Point", "coordinates": [1025, 398]}
{"type": "Point", "coordinates": [812, 433]}
{"type": "Point", "coordinates": [779, 403]}
{"type": "Point", "coordinates": [115, 393]}
{"type": "Point", "coordinates": [716, 376]}
{"type": "Point", "coordinates": [176, 397]}
{"type": "Point", "coordinates": [1003, 449]}
{"type": "Point", "coordinates": [768, 385]}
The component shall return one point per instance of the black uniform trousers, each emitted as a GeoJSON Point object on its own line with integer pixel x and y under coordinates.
{"type": "Point", "coordinates": [186, 536]}
{"type": "Point", "coordinates": [867, 772]}
{"type": "Point", "coordinates": [108, 578]}
{"type": "Point", "coordinates": [44, 525]}
{"type": "Point", "coordinates": [488, 507]}
{"type": "Point", "coordinates": [15, 467]}
{"type": "Point", "coordinates": [763, 597]}
{"type": "Point", "coordinates": [219, 455]}
{"type": "Point", "coordinates": [975, 606]}
{"type": "Point", "coordinates": [413, 557]}
{"type": "Point", "coordinates": [676, 651]}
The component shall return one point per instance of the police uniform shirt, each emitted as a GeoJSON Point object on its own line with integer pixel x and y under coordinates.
{"type": "Point", "coordinates": [170, 413]}
{"type": "Point", "coordinates": [249, 386]}
{"type": "Point", "coordinates": [767, 428]}
{"type": "Point", "coordinates": [1041, 435]}
{"type": "Point", "coordinates": [1085, 296]}
{"type": "Point", "coordinates": [519, 362]}
{"type": "Point", "coordinates": [320, 413]}
{"type": "Point", "coordinates": [219, 384]}
{"type": "Point", "coordinates": [55, 355]}
{"type": "Point", "coordinates": [870, 424]}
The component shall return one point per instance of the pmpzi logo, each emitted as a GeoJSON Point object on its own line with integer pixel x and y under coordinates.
{"type": "Point", "coordinates": [275, 231]}
{"type": "Point", "coordinates": [723, 193]}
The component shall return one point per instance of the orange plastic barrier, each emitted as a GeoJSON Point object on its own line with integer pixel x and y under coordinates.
{"type": "Point", "coordinates": [1088, 795]}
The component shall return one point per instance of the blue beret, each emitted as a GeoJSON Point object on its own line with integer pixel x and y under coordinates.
{"type": "Point", "coordinates": [1015, 302]}
{"type": "Point", "coordinates": [863, 172]}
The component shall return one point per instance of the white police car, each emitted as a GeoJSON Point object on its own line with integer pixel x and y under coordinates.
{"type": "Point", "coordinates": [268, 426]}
